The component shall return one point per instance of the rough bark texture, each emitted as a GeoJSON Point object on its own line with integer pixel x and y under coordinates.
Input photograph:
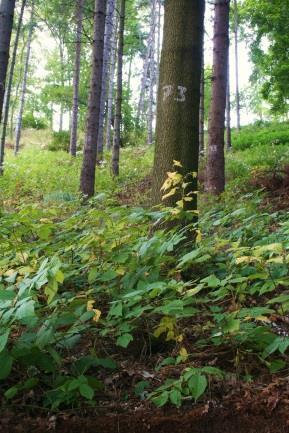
{"type": "Point", "coordinates": [111, 84]}
{"type": "Point", "coordinates": [202, 112]}
{"type": "Point", "coordinates": [6, 23]}
{"type": "Point", "coordinates": [76, 77]}
{"type": "Point", "coordinates": [216, 159]}
{"type": "Point", "coordinates": [87, 180]}
{"type": "Point", "coordinates": [18, 127]}
{"type": "Point", "coordinates": [106, 58]}
{"type": "Point", "coordinates": [9, 87]}
{"type": "Point", "coordinates": [118, 100]}
{"type": "Point", "coordinates": [177, 129]}
{"type": "Point", "coordinates": [236, 28]}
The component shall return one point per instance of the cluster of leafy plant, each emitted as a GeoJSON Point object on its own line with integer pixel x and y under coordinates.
{"type": "Point", "coordinates": [258, 135]}
{"type": "Point", "coordinates": [81, 287]}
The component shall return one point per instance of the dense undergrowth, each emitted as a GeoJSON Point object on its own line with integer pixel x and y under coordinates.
{"type": "Point", "coordinates": [101, 302]}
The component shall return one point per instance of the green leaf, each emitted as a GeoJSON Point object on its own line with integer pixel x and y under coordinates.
{"type": "Point", "coordinates": [176, 397]}
{"type": "Point", "coordinates": [4, 339]}
{"type": "Point", "coordinates": [116, 310]}
{"type": "Point", "coordinates": [197, 385]}
{"type": "Point", "coordinates": [124, 340]}
{"type": "Point", "coordinates": [162, 399]}
{"type": "Point", "coordinates": [86, 391]}
{"type": "Point", "coordinates": [7, 295]}
{"type": "Point", "coordinates": [212, 281]}
{"type": "Point", "coordinates": [6, 362]}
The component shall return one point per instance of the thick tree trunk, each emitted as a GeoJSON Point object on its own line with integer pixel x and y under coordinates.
{"type": "Point", "coordinates": [9, 88]}
{"type": "Point", "coordinates": [216, 159]}
{"type": "Point", "coordinates": [152, 74]}
{"type": "Point", "coordinates": [24, 84]}
{"type": "Point", "coordinates": [236, 28]}
{"type": "Point", "coordinates": [177, 130]}
{"type": "Point", "coordinates": [158, 43]}
{"type": "Point", "coordinates": [113, 53]}
{"type": "Point", "coordinates": [6, 23]}
{"type": "Point", "coordinates": [76, 77]}
{"type": "Point", "coordinates": [105, 76]}
{"type": "Point", "coordinates": [118, 99]}
{"type": "Point", "coordinates": [87, 180]}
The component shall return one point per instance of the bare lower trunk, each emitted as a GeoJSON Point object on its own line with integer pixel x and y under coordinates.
{"type": "Point", "coordinates": [105, 76]}
{"type": "Point", "coordinates": [76, 78]}
{"type": "Point", "coordinates": [236, 31]}
{"type": "Point", "coordinates": [87, 180]}
{"type": "Point", "coordinates": [177, 130]}
{"type": "Point", "coordinates": [24, 84]}
{"type": "Point", "coordinates": [9, 88]}
{"type": "Point", "coordinates": [202, 112]}
{"type": "Point", "coordinates": [6, 23]}
{"type": "Point", "coordinates": [118, 101]}
{"type": "Point", "coordinates": [109, 119]}
{"type": "Point", "coordinates": [216, 159]}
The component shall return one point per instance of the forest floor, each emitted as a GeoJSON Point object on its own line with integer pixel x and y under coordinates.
{"type": "Point", "coordinates": [113, 321]}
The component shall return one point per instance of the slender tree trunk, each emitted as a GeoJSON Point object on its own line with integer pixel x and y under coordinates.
{"type": "Point", "coordinates": [9, 87]}
{"type": "Point", "coordinates": [24, 84]}
{"type": "Point", "coordinates": [152, 75]}
{"type": "Point", "coordinates": [228, 111]}
{"type": "Point", "coordinates": [216, 159]}
{"type": "Point", "coordinates": [61, 56]}
{"type": "Point", "coordinates": [111, 84]}
{"type": "Point", "coordinates": [236, 31]}
{"type": "Point", "coordinates": [105, 76]}
{"type": "Point", "coordinates": [129, 75]}
{"type": "Point", "coordinates": [7, 8]}
{"type": "Point", "coordinates": [202, 114]}
{"type": "Point", "coordinates": [177, 130]}
{"type": "Point", "coordinates": [76, 77]}
{"type": "Point", "coordinates": [158, 43]}
{"type": "Point", "coordinates": [118, 100]}
{"type": "Point", "coordinates": [87, 180]}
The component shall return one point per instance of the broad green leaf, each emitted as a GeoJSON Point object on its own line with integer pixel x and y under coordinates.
{"type": "Point", "coordinates": [6, 362]}
{"type": "Point", "coordinates": [124, 340]}
{"type": "Point", "coordinates": [3, 339]}
{"type": "Point", "coordinates": [161, 399]}
{"type": "Point", "coordinates": [86, 391]}
{"type": "Point", "coordinates": [197, 385]}
{"type": "Point", "coordinates": [176, 397]}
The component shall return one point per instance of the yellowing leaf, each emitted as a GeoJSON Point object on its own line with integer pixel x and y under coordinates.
{"type": "Point", "coordinates": [97, 315]}
{"type": "Point", "coordinates": [169, 194]}
{"type": "Point", "coordinates": [177, 163]}
{"type": "Point", "coordinates": [199, 236]}
{"type": "Point", "coordinates": [183, 353]}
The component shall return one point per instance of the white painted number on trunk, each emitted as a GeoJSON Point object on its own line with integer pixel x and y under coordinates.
{"type": "Point", "coordinates": [171, 90]}
{"type": "Point", "coordinates": [168, 91]}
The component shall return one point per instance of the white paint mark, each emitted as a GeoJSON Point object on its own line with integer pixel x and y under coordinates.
{"type": "Point", "coordinates": [182, 94]}
{"type": "Point", "coordinates": [168, 91]}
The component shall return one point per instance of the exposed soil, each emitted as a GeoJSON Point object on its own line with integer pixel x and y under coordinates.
{"type": "Point", "coordinates": [247, 408]}
{"type": "Point", "coordinates": [137, 192]}
{"type": "Point", "coordinates": [275, 183]}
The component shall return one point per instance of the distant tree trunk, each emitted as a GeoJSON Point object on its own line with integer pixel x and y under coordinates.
{"type": "Point", "coordinates": [202, 111]}
{"type": "Point", "coordinates": [61, 56]}
{"type": "Point", "coordinates": [87, 180]}
{"type": "Point", "coordinates": [216, 159]}
{"type": "Point", "coordinates": [24, 84]}
{"type": "Point", "coordinates": [129, 75]}
{"type": "Point", "coordinates": [158, 43]}
{"type": "Point", "coordinates": [105, 76]}
{"type": "Point", "coordinates": [76, 77]}
{"type": "Point", "coordinates": [177, 129]}
{"type": "Point", "coordinates": [152, 74]}
{"type": "Point", "coordinates": [118, 99]}
{"type": "Point", "coordinates": [228, 111]}
{"type": "Point", "coordinates": [113, 53]}
{"type": "Point", "coordinates": [236, 31]}
{"type": "Point", "coordinates": [9, 87]}
{"type": "Point", "coordinates": [7, 8]}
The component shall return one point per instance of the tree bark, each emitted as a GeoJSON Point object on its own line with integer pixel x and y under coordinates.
{"type": "Point", "coordinates": [105, 76]}
{"type": "Point", "coordinates": [202, 111]}
{"type": "Point", "coordinates": [216, 159]}
{"type": "Point", "coordinates": [9, 87]}
{"type": "Point", "coordinates": [111, 84]}
{"type": "Point", "coordinates": [118, 100]}
{"type": "Point", "coordinates": [7, 8]}
{"type": "Point", "coordinates": [177, 129]}
{"type": "Point", "coordinates": [236, 31]}
{"type": "Point", "coordinates": [76, 77]}
{"type": "Point", "coordinates": [87, 180]}
{"type": "Point", "coordinates": [24, 84]}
